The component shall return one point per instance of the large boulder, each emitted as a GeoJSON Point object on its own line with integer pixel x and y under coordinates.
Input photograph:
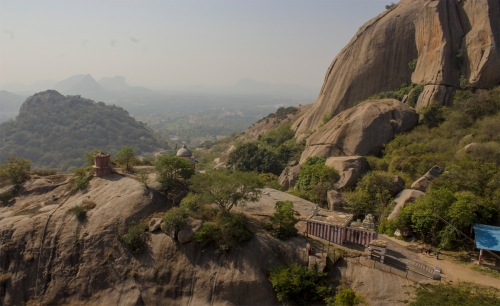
{"type": "Point", "coordinates": [335, 200]}
{"type": "Point", "coordinates": [350, 168]}
{"type": "Point", "coordinates": [361, 130]}
{"type": "Point", "coordinates": [423, 183]}
{"type": "Point", "coordinates": [404, 197]}
{"type": "Point", "coordinates": [154, 224]}
{"type": "Point", "coordinates": [289, 176]}
{"type": "Point", "coordinates": [186, 233]}
{"type": "Point", "coordinates": [449, 40]}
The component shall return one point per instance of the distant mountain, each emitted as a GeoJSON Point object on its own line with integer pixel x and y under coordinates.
{"type": "Point", "coordinates": [9, 105]}
{"type": "Point", "coordinates": [248, 86]}
{"type": "Point", "coordinates": [66, 84]}
{"type": "Point", "coordinates": [118, 84]}
{"type": "Point", "coordinates": [37, 86]}
{"type": "Point", "coordinates": [88, 87]}
{"type": "Point", "coordinates": [54, 131]}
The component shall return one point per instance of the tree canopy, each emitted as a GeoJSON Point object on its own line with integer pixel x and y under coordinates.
{"type": "Point", "coordinates": [172, 171]}
{"type": "Point", "coordinates": [126, 155]}
{"type": "Point", "coordinates": [227, 189]}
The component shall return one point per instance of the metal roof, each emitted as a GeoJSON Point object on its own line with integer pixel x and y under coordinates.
{"type": "Point", "coordinates": [487, 237]}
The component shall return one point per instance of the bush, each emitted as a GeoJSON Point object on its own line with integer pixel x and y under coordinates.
{"type": "Point", "coordinates": [282, 223]}
{"type": "Point", "coordinates": [298, 285]}
{"type": "Point", "coordinates": [175, 218]}
{"type": "Point", "coordinates": [346, 297]}
{"type": "Point", "coordinates": [5, 197]}
{"type": "Point", "coordinates": [432, 115]}
{"type": "Point", "coordinates": [225, 230]}
{"type": "Point", "coordinates": [414, 94]}
{"type": "Point", "coordinates": [412, 64]}
{"type": "Point", "coordinates": [80, 180]}
{"type": "Point", "coordinates": [135, 239]}
{"type": "Point", "coordinates": [315, 179]}
{"type": "Point", "coordinates": [15, 169]}
{"type": "Point", "coordinates": [79, 212]}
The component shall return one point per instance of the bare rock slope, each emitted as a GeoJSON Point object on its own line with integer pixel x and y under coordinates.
{"type": "Point", "coordinates": [449, 39]}
{"type": "Point", "coordinates": [361, 130]}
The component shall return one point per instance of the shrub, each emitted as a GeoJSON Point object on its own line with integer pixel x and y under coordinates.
{"type": "Point", "coordinates": [346, 297]}
{"type": "Point", "coordinates": [225, 231]}
{"type": "Point", "coordinates": [80, 180]}
{"type": "Point", "coordinates": [432, 115]}
{"type": "Point", "coordinates": [15, 169]}
{"type": "Point", "coordinates": [412, 64]}
{"type": "Point", "coordinates": [135, 239]}
{"type": "Point", "coordinates": [5, 197]}
{"type": "Point", "coordinates": [390, 6]}
{"type": "Point", "coordinates": [175, 218]}
{"type": "Point", "coordinates": [414, 94]}
{"type": "Point", "coordinates": [298, 284]}
{"type": "Point", "coordinates": [282, 222]}
{"type": "Point", "coordinates": [315, 179]}
{"type": "Point", "coordinates": [79, 212]}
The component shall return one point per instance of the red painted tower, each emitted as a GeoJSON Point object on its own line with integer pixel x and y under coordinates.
{"type": "Point", "coordinates": [102, 164]}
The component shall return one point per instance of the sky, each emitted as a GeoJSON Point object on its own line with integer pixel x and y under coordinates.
{"type": "Point", "coordinates": [161, 44]}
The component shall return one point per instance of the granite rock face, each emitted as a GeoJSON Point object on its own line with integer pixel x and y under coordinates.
{"type": "Point", "coordinates": [449, 40]}
{"type": "Point", "coordinates": [361, 130]}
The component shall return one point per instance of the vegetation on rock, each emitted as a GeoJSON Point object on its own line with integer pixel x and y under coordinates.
{"type": "Point", "coordinates": [15, 169]}
{"type": "Point", "coordinates": [172, 172]}
{"type": "Point", "coordinates": [315, 179]}
{"type": "Point", "coordinates": [444, 294]}
{"type": "Point", "coordinates": [282, 223]}
{"type": "Point", "coordinates": [299, 285]}
{"type": "Point", "coordinates": [135, 239]}
{"type": "Point", "coordinates": [227, 189]}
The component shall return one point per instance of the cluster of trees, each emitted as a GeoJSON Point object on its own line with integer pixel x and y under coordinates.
{"type": "Point", "coordinates": [315, 179]}
{"type": "Point", "coordinates": [57, 133]}
{"type": "Point", "coordinates": [469, 190]}
{"type": "Point", "coordinates": [270, 154]}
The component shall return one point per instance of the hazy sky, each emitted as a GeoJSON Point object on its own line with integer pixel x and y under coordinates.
{"type": "Point", "coordinates": [177, 43]}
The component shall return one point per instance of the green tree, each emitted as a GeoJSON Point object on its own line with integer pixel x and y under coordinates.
{"type": "Point", "coordinates": [126, 155]}
{"type": "Point", "coordinates": [15, 169]}
{"type": "Point", "coordinates": [298, 284]}
{"type": "Point", "coordinates": [315, 179]}
{"type": "Point", "coordinates": [227, 189]}
{"type": "Point", "coordinates": [347, 297]}
{"type": "Point", "coordinates": [172, 171]}
{"type": "Point", "coordinates": [282, 222]}
{"type": "Point", "coordinates": [89, 157]}
{"type": "Point", "coordinates": [445, 294]}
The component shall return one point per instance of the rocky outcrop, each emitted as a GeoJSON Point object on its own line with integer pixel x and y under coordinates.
{"type": "Point", "coordinates": [449, 39]}
{"type": "Point", "coordinates": [289, 176]}
{"type": "Point", "coordinates": [423, 183]}
{"type": "Point", "coordinates": [41, 99]}
{"type": "Point", "coordinates": [186, 233]}
{"type": "Point", "coordinates": [154, 224]}
{"type": "Point", "coordinates": [361, 130]}
{"type": "Point", "coordinates": [350, 168]}
{"type": "Point", "coordinates": [404, 197]}
{"type": "Point", "coordinates": [55, 259]}
{"type": "Point", "coordinates": [335, 200]}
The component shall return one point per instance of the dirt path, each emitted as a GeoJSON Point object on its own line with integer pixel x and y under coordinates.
{"type": "Point", "coordinates": [451, 272]}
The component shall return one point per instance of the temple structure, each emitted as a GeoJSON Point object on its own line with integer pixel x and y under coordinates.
{"type": "Point", "coordinates": [102, 164]}
{"type": "Point", "coordinates": [184, 152]}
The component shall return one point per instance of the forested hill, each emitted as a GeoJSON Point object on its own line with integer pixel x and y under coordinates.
{"type": "Point", "coordinates": [54, 131]}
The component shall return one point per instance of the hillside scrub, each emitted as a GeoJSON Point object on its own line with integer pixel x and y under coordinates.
{"type": "Point", "coordinates": [15, 169]}
{"type": "Point", "coordinates": [445, 294]}
{"type": "Point", "coordinates": [282, 223]}
{"type": "Point", "coordinates": [269, 154]}
{"type": "Point", "coordinates": [136, 239]}
{"type": "Point", "coordinates": [468, 191]}
{"type": "Point", "coordinates": [315, 179]}
{"type": "Point", "coordinates": [299, 285]}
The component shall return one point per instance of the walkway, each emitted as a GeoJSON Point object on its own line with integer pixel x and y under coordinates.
{"type": "Point", "coordinates": [450, 272]}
